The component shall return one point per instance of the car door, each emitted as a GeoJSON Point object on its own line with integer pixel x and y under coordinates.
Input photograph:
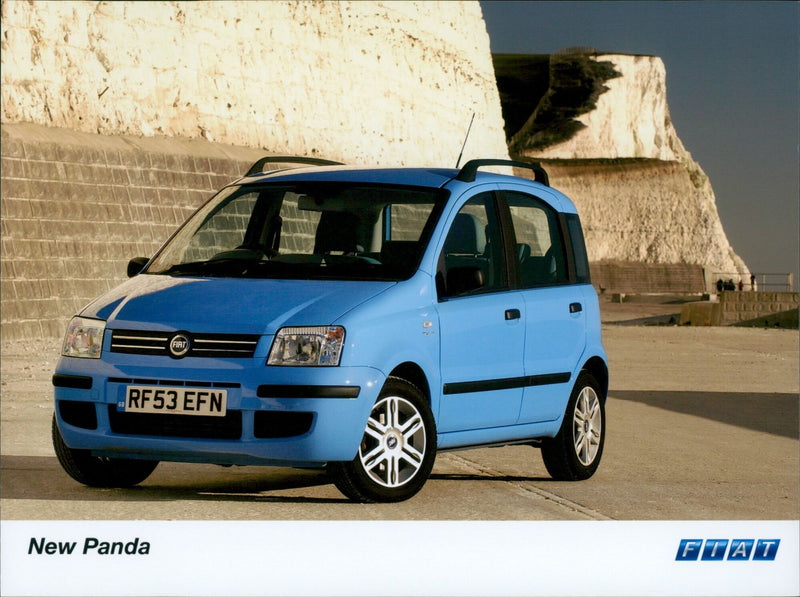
{"type": "Point", "coordinates": [555, 321]}
{"type": "Point", "coordinates": [480, 319]}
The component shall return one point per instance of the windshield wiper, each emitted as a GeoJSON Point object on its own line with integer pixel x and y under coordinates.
{"type": "Point", "coordinates": [346, 268]}
{"type": "Point", "coordinates": [208, 268]}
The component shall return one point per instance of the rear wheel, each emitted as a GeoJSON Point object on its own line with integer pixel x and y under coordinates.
{"type": "Point", "coordinates": [96, 471]}
{"type": "Point", "coordinates": [397, 450]}
{"type": "Point", "coordinates": [574, 454]}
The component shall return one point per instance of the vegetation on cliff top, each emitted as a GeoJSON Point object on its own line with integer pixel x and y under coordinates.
{"type": "Point", "coordinates": [522, 81]}
{"type": "Point", "coordinates": [543, 95]}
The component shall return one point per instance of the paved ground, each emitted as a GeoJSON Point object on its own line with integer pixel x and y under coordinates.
{"type": "Point", "coordinates": [702, 424]}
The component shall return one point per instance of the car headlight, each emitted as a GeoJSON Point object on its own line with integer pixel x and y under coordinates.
{"type": "Point", "coordinates": [307, 346]}
{"type": "Point", "coordinates": [84, 338]}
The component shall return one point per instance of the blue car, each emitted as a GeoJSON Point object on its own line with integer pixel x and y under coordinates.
{"type": "Point", "coordinates": [358, 319]}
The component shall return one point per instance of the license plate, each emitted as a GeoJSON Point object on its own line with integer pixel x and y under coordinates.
{"type": "Point", "coordinates": [208, 402]}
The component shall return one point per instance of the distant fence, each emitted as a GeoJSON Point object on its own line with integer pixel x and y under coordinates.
{"type": "Point", "coordinates": [760, 282]}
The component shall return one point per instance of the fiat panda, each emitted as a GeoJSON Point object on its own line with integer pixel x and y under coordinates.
{"type": "Point", "coordinates": [357, 319]}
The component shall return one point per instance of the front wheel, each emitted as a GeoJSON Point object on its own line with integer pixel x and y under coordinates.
{"type": "Point", "coordinates": [95, 471]}
{"type": "Point", "coordinates": [574, 453]}
{"type": "Point", "coordinates": [397, 450]}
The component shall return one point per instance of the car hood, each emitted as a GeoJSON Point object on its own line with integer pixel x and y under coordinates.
{"type": "Point", "coordinates": [228, 305]}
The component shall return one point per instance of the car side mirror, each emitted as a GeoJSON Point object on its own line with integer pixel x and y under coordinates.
{"type": "Point", "coordinates": [464, 279]}
{"type": "Point", "coordinates": [136, 265]}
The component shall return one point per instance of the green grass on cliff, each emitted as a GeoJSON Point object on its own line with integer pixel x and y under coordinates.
{"type": "Point", "coordinates": [522, 81]}
{"type": "Point", "coordinates": [541, 96]}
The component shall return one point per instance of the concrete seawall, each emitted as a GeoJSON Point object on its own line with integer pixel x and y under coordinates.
{"type": "Point", "coordinates": [768, 309]}
{"type": "Point", "coordinates": [77, 207]}
{"type": "Point", "coordinates": [648, 278]}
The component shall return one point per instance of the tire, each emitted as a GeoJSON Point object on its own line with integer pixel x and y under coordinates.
{"type": "Point", "coordinates": [574, 453]}
{"type": "Point", "coordinates": [96, 471]}
{"type": "Point", "coordinates": [397, 451]}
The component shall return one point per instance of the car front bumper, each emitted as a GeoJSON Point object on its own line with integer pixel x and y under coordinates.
{"type": "Point", "coordinates": [286, 416]}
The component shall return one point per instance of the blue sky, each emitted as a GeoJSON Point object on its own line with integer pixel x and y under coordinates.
{"type": "Point", "coordinates": [732, 89]}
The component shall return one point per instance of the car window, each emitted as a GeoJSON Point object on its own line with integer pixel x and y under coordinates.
{"type": "Point", "coordinates": [472, 256]}
{"type": "Point", "coordinates": [404, 222]}
{"type": "Point", "coordinates": [306, 230]}
{"type": "Point", "coordinates": [224, 229]}
{"type": "Point", "coordinates": [539, 249]}
{"type": "Point", "coordinates": [579, 249]}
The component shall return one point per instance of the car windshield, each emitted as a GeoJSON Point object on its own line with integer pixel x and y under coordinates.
{"type": "Point", "coordinates": [305, 230]}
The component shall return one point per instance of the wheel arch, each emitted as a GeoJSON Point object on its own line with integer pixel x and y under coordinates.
{"type": "Point", "coordinates": [599, 370]}
{"type": "Point", "coordinates": [413, 374]}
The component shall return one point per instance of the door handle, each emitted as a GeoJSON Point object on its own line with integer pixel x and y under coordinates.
{"type": "Point", "coordinates": [512, 314]}
{"type": "Point", "coordinates": [575, 307]}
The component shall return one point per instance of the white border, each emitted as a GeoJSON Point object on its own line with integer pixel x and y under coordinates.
{"type": "Point", "coordinates": [394, 558]}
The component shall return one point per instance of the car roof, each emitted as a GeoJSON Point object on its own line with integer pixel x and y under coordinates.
{"type": "Point", "coordinates": [406, 176]}
{"type": "Point", "coordinates": [454, 179]}
{"type": "Point", "coordinates": [422, 177]}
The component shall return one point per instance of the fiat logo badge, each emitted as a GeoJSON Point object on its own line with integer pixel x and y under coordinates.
{"type": "Point", "coordinates": [179, 345]}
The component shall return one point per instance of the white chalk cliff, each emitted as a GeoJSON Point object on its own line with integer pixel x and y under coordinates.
{"type": "Point", "coordinates": [391, 83]}
{"type": "Point", "coordinates": [641, 195]}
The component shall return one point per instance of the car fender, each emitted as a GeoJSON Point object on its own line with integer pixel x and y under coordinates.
{"type": "Point", "coordinates": [396, 328]}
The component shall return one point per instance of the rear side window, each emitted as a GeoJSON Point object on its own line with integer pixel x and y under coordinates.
{"type": "Point", "coordinates": [578, 248]}
{"type": "Point", "coordinates": [539, 250]}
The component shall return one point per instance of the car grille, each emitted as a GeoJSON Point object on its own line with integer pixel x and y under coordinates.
{"type": "Point", "coordinates": [189, 426]}
{"type": "Point", "coordinates": [202, 345]}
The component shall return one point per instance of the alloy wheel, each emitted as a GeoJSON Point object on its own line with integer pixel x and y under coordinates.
{"type": "Point", "coordinates": [393, 448]}
{"type": "Point", "coordinates": [587, 426]}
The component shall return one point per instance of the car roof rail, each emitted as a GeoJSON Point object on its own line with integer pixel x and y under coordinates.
{"type": "Point", "coordinates": [470, 169]}
{"type": "Point", "coordinates": [258, 167]}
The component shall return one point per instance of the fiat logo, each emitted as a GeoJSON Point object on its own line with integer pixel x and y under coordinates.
{"type": "Point", "coordinates": [179, 345]}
